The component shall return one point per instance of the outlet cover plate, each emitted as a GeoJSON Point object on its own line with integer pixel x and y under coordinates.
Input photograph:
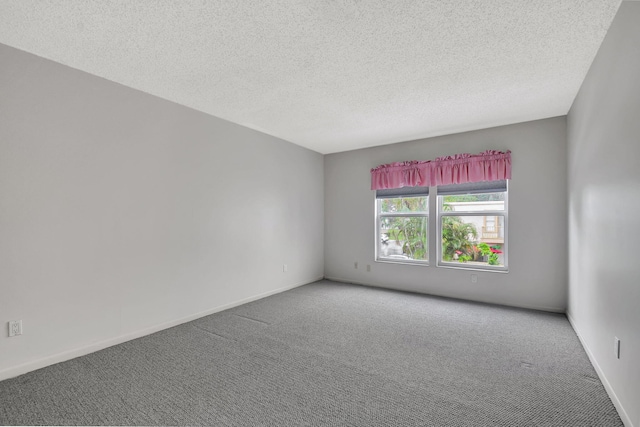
{"type": "Point", "coordinates": [15, 328]}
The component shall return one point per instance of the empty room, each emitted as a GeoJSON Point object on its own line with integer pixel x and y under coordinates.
{"type": "Point", "coordinates": [323, 212]}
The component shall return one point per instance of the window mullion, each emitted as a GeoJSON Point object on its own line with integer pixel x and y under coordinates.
{"type": "Point", "coordinates": [434, 228]}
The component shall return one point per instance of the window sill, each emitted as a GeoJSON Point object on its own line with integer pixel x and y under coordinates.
{"type": "Point", "coordinates": [403, 262]}
{"type": "Point", "coordinates": [472, 267]}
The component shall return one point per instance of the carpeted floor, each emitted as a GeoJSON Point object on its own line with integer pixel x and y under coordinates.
{"type": "Point", "coordinates": [329, 354]}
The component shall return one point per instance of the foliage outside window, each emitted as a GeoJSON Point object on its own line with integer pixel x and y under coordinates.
{"type": "Point", "coordinates": [473, 230]}
{"type": "Point", "coordinates": [402, 229]}
{"type": "Point", "coordinates": [471, 225]}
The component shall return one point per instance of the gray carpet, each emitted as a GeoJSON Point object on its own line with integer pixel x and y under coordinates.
{"type": "Point", "coordinates": [329, 354]}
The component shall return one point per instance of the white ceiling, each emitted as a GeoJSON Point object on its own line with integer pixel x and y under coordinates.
{"type": "Point", "coordinates": [330, 75]}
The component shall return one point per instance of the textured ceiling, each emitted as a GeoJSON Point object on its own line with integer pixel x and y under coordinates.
{"type": "Point", "coordinates": [330, 75]}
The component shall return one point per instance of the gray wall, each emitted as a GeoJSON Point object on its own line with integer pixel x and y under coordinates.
{"type": "Point", "coordinates": [537, 274]}
{"type": "Point", "coordinates": [122, 213]}
{"type": "Point", "coordinates": [604, 192]}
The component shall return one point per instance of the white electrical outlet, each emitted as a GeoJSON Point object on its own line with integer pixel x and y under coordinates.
{"type": "Point", "coordinates": [15, 328]}
{"type": "Point", "coordinates": [284, 268]}
{"type": "Point", "coordinates": [616, 347]}
{"type": "Point", "coordinates": [474, 278]}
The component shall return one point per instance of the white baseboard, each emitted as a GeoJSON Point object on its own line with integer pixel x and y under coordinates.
{"type": "Point", "coordinates": [529, 307]}
{"type": "Point", "coordinates": [612, 394]}
{"type": "Point", "coordinates": [14, 371]}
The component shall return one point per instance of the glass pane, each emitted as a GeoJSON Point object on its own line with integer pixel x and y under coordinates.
{"type": "Point", "coordinates": [473, 202]}
{"type": "Point", "coordinates": [403, 238]}
{"type": "Point", "coordinates": [473, 239]}
{"type": "Point", "coordinates": [403, 204]}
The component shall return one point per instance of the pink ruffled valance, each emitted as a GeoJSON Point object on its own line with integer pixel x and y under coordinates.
{"type": "Point", "coordinates": [490, 165]}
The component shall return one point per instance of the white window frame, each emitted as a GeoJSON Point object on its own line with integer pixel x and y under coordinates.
{"type": "Point", "coordinates": [402, 193]}
{"type": "Point", "coordinates": [484, 267]}
{"type": "Point", "coordinates": [433, 215]}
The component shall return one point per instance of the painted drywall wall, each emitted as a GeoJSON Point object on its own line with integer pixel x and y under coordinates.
{"type": "Point", "coordinates": [537, 274]}
{"type": "Point", "coordinates": [604, 201]}
{"type": "Point", "coordinates": [122, 213]}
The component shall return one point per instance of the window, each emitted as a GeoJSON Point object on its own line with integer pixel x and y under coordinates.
{"type": "Point", "coordinates": [472, 225]}
{"type": "Point", "coordinates": [402, 223]}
